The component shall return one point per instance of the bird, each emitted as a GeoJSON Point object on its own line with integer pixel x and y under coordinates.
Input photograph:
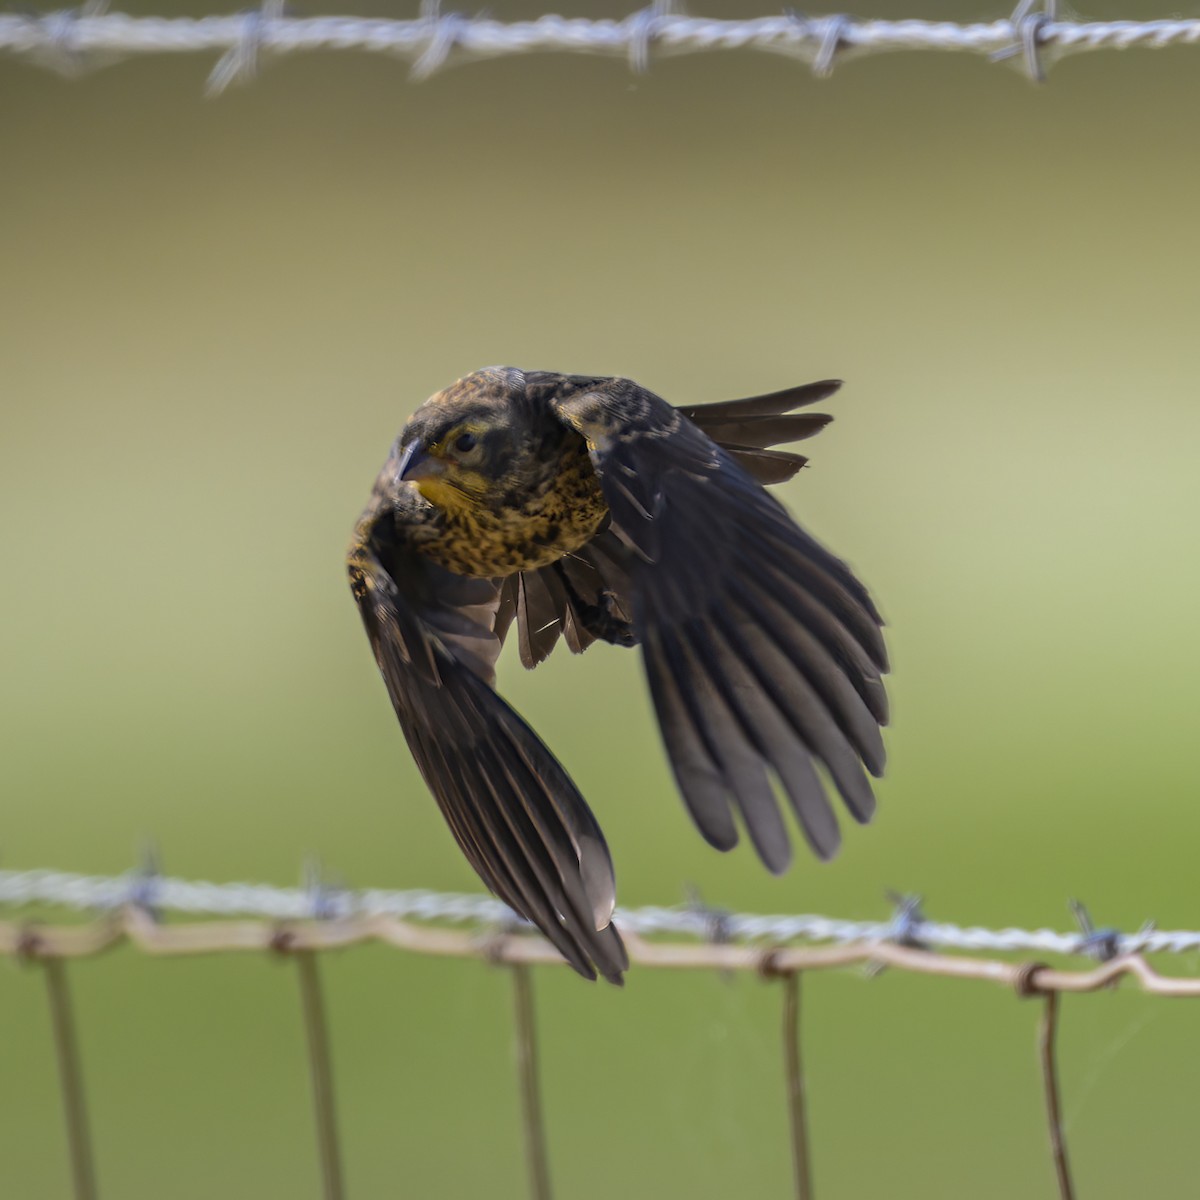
{"type": "Point", "coordinates": [585, 509]}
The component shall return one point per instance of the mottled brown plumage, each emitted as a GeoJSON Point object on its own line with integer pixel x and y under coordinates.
{"type": "Point", "coordinates": [507, 503]}
{"type": "Point", "coordinates": [587, 508]}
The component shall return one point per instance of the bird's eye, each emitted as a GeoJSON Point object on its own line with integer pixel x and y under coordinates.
{"type": "Point", "coordinates": [465, 443]}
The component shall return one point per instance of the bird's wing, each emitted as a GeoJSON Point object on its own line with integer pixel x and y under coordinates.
{"type": "Point", "coordinates": [565, 598]}
{"type": "Point", "coordinates": [763, 652]}
{"type": "Point", "coordinates": [514, 811]}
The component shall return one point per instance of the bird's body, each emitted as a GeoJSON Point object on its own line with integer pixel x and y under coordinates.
{"type": "Point", "coordinates": [587, 508]}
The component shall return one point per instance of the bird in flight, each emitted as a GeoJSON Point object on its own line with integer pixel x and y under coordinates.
{"type": "Point", "coordinates": [585, 508]}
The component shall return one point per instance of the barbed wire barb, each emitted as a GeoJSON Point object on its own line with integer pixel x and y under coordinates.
{"type": "Point", "coordinates": [444, 30]}
{"type": "Point", "coordinates": [240, 63]}
{"type": "Point", "coordinates": [833, 31]}
{"type": "Point", "coordinates": [1029, 25]}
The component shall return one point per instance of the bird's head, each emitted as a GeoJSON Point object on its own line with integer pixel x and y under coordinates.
{"type": "Point", "coordinates": [466, 442]}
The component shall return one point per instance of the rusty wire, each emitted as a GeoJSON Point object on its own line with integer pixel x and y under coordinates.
{"type": "Point", "coordinates": [537, 1159]}
{"type": "Point", "coordinates": [797, 1101]}
{"type": "Point", "coordinates": [139, 929]}
{"type": "Point", "coordinates": [320, 1068]}
{"type": "Point", "coordinates": [70, 1080]}
{"type": "Point", "coordinates": [1047, 1054]}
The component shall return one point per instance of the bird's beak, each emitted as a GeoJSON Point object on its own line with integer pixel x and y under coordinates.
{"type": "Point", "coordinates": [417, 463]}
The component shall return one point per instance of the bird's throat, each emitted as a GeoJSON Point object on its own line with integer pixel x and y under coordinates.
{"type": "Point", "coordinates": [447, 496]}
{"type": "Point", "coordinates": [477, 535]}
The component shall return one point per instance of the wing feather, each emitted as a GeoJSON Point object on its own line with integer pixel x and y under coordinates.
{"type": "Point", "coordinates": [763, 651]}
{"type": "Point", "coordinates": [748, 430]}
{"type": "Point", "coordinates": [769, 405]}
{"type": "Point", "coordinates": [697, 767]}
{"type": "Point", "coordinates": [538, 625]}
{"type": "Point", "coordinates": [513, 810]}
{"type": "Point", "coordinates": [766, 466]}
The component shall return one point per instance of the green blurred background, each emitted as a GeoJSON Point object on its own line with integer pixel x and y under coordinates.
{"type": "Point", "coordinates": [216, 314]}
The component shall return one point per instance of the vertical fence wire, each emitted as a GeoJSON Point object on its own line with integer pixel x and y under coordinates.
{"type": "Point", "coordinates": [321, 1072]}
{"type": "Point", "coordinates": [794, 1071]}
{"type": "Point", "coordinates": [70, 1079]}
{"type": "Point", "coordinates": [1047, 1038]}
{"type": "Point", "coordinates": [536, 1158]}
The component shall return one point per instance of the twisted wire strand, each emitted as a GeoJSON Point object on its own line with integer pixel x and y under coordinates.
{"type": "Point", "coordinates": [101, 893]}
{"type": "Point", "coordinates": [72, 38]}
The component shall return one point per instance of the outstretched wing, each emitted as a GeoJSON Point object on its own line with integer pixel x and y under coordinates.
{"type": "Point", "coordinates": [763, 652]}
{"type": "Point", "coordinates": [513, 810]}
{"type": "Point", "coordinates": [582, 596]}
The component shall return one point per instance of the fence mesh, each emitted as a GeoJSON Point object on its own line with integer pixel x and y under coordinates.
{"type": "Point", "coordinates": [299, 923]}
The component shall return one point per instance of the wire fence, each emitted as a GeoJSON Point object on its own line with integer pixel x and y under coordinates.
{"type": "Point", "coordinates": [299, 923]}
{"type": "Point", "coordinates": [72, 39]}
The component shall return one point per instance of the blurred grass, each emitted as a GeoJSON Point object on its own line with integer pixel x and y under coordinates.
{"type": "Point", "coordinates": [216, 315]}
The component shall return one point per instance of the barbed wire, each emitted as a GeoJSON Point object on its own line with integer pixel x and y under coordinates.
{"type": "Point", "coordinates": [321, 899]}
{"type": "Point", "coordinates": [71, 39]}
